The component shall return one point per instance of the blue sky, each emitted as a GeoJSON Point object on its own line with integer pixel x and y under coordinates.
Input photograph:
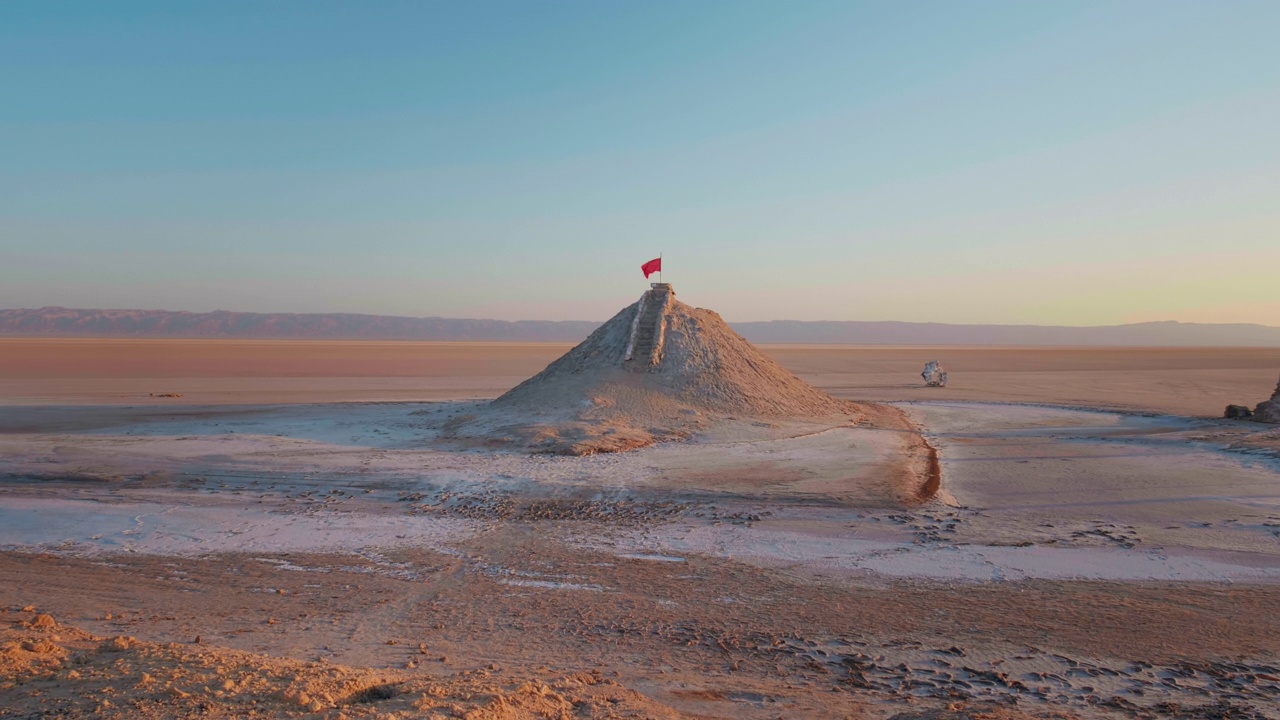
{"type": "Point", "coordinates": [1067, 163]}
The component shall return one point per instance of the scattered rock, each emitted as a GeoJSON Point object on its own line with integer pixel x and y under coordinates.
{"type": "Point", "coordinates": [1236, 412]}
{"type": "Point", "coordinates": [117, 644]}
{"type": "Point", "coordinates": [934, 375]}
{"type": "Point", "coordinates": [44, 621]}
{"type": "Point", "coordinates": [40, 647]}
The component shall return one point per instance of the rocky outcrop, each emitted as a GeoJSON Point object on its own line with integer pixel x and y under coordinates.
{"type": "Point", "coordinates": [1268, 411]}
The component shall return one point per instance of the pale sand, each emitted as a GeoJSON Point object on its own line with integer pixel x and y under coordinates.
{"type": "Point", "coordinates": [784, 576]}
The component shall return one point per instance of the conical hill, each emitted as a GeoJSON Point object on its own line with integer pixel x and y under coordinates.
{"type": "Point", "coordinates": [658, 369]}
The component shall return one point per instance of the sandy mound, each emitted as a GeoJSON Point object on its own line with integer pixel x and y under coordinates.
{"type": "Point", "coordinates": [657, 370]}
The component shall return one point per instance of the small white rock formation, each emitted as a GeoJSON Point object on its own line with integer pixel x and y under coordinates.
{"type": "Point", "coordinates": [934, 375]}
{"type": "Point", "coordinates": [657, 370]}
{"type": "Point", "coordinates": [1268, 411]}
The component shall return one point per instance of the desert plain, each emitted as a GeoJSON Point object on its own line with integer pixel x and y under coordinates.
{"type": "Point", "coordinates": [208, 528]}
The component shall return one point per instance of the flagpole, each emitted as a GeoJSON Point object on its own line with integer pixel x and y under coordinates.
{"type": "Point", "coordinates": [659, 266]}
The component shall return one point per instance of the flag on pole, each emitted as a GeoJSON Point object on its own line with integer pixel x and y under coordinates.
{"type": "Point", "coordinates": [651, 267]}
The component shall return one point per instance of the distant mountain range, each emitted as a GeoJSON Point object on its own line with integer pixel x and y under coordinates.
{"type": "Point", "coordinates": [67, 322]}
{"type": "Point", "coordinates": [1149, 334]}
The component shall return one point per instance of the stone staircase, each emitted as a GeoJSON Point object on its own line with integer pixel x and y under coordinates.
{"type": "Point", "coordinates": [646, 342]}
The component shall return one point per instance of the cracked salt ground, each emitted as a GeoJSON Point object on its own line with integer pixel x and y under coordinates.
{"type": "Point", "coordinates": [551, 585]}
{"type": "Point", "coordinates": [955, 542]}
{"type": "Point", "coordinates": [499, 505]}
{"type": "Point", "coordinates": [1054, 476]}
{"type": "Point", "coordinates": [1033, 675]}
{"type": "Point", "coordinates": [96, 527]}
{"type": "Point", "coordinates": [917, 545]}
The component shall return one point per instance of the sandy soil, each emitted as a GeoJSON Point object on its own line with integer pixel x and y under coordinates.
{"type": "Point", "coordinates": [1180, 381]}
{"type": "Point", "coordinates": [250, 550]}
{"type": "Point", "coordinates": [204, 372]}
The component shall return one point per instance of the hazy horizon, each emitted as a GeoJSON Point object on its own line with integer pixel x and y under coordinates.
{"type": "Point", "coordinates": [603, 317]}
{"type": "Point", "coordinates": [990, 163]}
{"type": "Point", "coordinates": [114, 324]}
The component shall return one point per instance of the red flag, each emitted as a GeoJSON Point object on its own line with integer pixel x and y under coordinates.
{"type": "Point", "coordinates": [651, 267]}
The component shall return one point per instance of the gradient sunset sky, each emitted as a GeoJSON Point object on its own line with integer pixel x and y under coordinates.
{"type": "Point", "coordinates": [1068, 163]}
